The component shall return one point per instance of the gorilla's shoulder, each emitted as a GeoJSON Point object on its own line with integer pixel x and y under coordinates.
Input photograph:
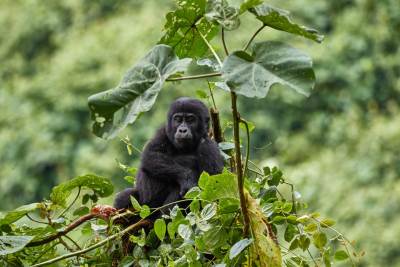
{"type": "Point", "coordinates": [160, 141]}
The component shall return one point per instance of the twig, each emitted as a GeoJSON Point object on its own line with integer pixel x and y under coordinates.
{"type": "Point", "coordinates": [210, 47]}
{"type": "Point", "coordinates": [293, 197]}
{"type": "Point", "coordinates": [69, 228]}
{"type": "Point", "coordinates": [140, 224]}
{"type": "Point", "coordinates": [247, 147]}
{"type": "Point", "coordinates": [36, 221]}
{"type": "Point", "coordinates": [193, 77]}
{"type": "Point", "coordinates": [212, 95]}
{"type": "Point", "coordinates": [45, 252]}
{"type": "Point", "coordinates": [72, 203]}
{"type": "Point", "coordinates": [62, 242]}
{"type": "Point", "coordinates": [254, 36]}
{"type": "Point", "coordinates": [73, 242]}
{"type": "Point", "coordinates": [239, 168]}
{"type": "Point", "coordinates": [223, 41]}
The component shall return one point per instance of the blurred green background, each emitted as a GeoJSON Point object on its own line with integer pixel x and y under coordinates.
{"type": "Point", "coordinates": [340, 146]}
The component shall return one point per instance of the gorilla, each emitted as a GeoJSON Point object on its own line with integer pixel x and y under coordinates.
{"type": "Point", "coordinates": [173, 160]}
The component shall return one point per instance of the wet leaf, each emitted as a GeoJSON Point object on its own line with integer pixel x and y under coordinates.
{"type": "Point", "coordinates": [279, 19]}
{"type": "Point", "coordinates": [252, 75]}
{"type": "Point", "coordinates": [114, 109]}
{"type": "Point", "coordinates": [183, 26]}
{"type": "Point", "coordinates": [12, 244]}
{"type": "Point", "coordinates": [100, 185]}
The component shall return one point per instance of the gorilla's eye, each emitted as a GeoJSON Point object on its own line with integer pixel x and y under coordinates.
{"type": "Point", "coordinates": [190, 119]}
{"type": "Point", "coordinates": [178, 118]}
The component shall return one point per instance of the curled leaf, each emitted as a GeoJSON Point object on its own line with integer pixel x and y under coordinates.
{"type": "Point", "coordinates": [112, 110]}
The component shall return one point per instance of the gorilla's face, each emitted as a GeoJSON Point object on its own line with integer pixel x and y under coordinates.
{"type": "Point", "coordinates": [184, 126]}
{"type": "Point", "coordinates": [187, 123]}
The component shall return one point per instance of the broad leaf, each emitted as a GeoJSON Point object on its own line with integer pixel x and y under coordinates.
{"type": "Point", "coordinates": [320, 239]}
{"type": "Point", "coordinates": [270, 63]}
{"type": "Point", "coordinates": [209, 211]}
{"type": "Point", "coordinates": [218, 186]}
{"type": "Point", "coordinates": [145, 211]}
{"type": "Point", "coordinates": [279, 19]}
{"type": "Point", "coordinates": [341, 255]}
{"type": "Point", "coordinates": [214, 238]}
{"type": "Point", "coordinates": [114, 109]}
{"type": "Point", "coordinates": [12, 244]}
{"type": "Point", "coordinates": [160, 228]}
{"type": "Point", "coordinates": [15, 215]}
{"type": "Point", "coordinates": [218, 11]}
{"type": "Point", "coordinates": [239, 247]}
{"type": "Point", "coordinates": [183, 26]}
{"type": "Point", "coordinates": [185, 231]}
{"type": "Point", "coordinates": [100, 185]}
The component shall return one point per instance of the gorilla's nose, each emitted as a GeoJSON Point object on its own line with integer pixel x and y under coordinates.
{"type": "Point", "coordinates": [182, 130]}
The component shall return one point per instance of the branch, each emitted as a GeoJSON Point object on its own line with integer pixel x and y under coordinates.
{"type": "Point", "coordinates": [68, 229]}
{"type": "Point", "coordinates": [212, 95]}
{"type": "Point", "coordinates": [216, 126]}
{"type": "Point", "coordinates": [223, 41]}
{"type": "Point", "coordinates": [133, 227]}
{"type": "Point", "coordinates": [254, 36]}
{"type": "Point", "coordinates": [210, 47]}
{"type": "Point", "coordinates": [193, 77]}
{"type": "Point", "coordinates": [72, 203]}
{"type": "Point", "coordinates": [36, 221]}
{"type": "Point", "coordinates": [239, 168]}
{"type": "Point", "coordinates": [247, 147]}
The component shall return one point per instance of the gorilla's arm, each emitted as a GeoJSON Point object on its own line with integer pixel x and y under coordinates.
{"type": "Point", "coordinates": [123, 200]}
{"type": "Point", "coordinates": [210, 158]}
{"type": "Point", "coordinates": [159, 163]}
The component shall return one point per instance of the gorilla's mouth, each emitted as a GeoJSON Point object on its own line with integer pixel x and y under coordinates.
{"type": "Point", "coordinates": [183, 140]}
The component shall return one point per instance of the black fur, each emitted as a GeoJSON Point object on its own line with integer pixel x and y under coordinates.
{"type": "Point", "coordinates": [169, 166]}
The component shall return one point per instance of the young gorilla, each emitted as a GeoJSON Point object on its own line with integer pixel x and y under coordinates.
{"type": "Point", "coordinates": [174, 159]}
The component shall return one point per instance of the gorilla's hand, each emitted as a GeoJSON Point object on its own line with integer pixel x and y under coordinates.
{"type": "Point", "coordinates": [188, 183]}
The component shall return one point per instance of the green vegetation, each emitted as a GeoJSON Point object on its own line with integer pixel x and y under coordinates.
{"type": "Point", "coordinates": [339, 146]}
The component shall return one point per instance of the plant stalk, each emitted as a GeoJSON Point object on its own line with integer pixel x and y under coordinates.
{"type": "Point", "coordinates": [254, 36]}
{"type": "Point", "coordinates": [239, 167]}
{"type": "Point", "coordinates": [193, 77]}
{"type": "Point", "coordinates": [132, 227]}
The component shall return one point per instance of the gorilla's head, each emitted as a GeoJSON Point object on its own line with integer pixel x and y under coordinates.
{"type": "Point", "coordinates": [188, 122]}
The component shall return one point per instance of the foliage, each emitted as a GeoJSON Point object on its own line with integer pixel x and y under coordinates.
{"type": "Point", "coordinates": [225, 223]}
{"type": "Point", "coordinates": [207, 226]}
{"type": "Point", "coordinates": [339, 145]}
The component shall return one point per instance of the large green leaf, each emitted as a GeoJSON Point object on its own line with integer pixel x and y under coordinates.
{"type": "Point", "coordinates": [12, 244]}
{"type": "Point", "coordinates": [279, 19]}
{"type": "Point", "coordinates": [18, 213]}
{"type": "Point", "coordinates": [218, 11]}
{"type": "Point", "coordinates": [100, 185]}
{"type": "Point", "coordinates": [218, 186]}
{"type": "Point", "coordinates": [114, 109]}
{"type": "Point", "coordinates": [270, 63]}
{"type": "Point", "coordinates": [183, 26]}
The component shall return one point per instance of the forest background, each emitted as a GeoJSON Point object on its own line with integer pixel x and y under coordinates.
{"type": "Point", "coordinates": [340, 146]}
